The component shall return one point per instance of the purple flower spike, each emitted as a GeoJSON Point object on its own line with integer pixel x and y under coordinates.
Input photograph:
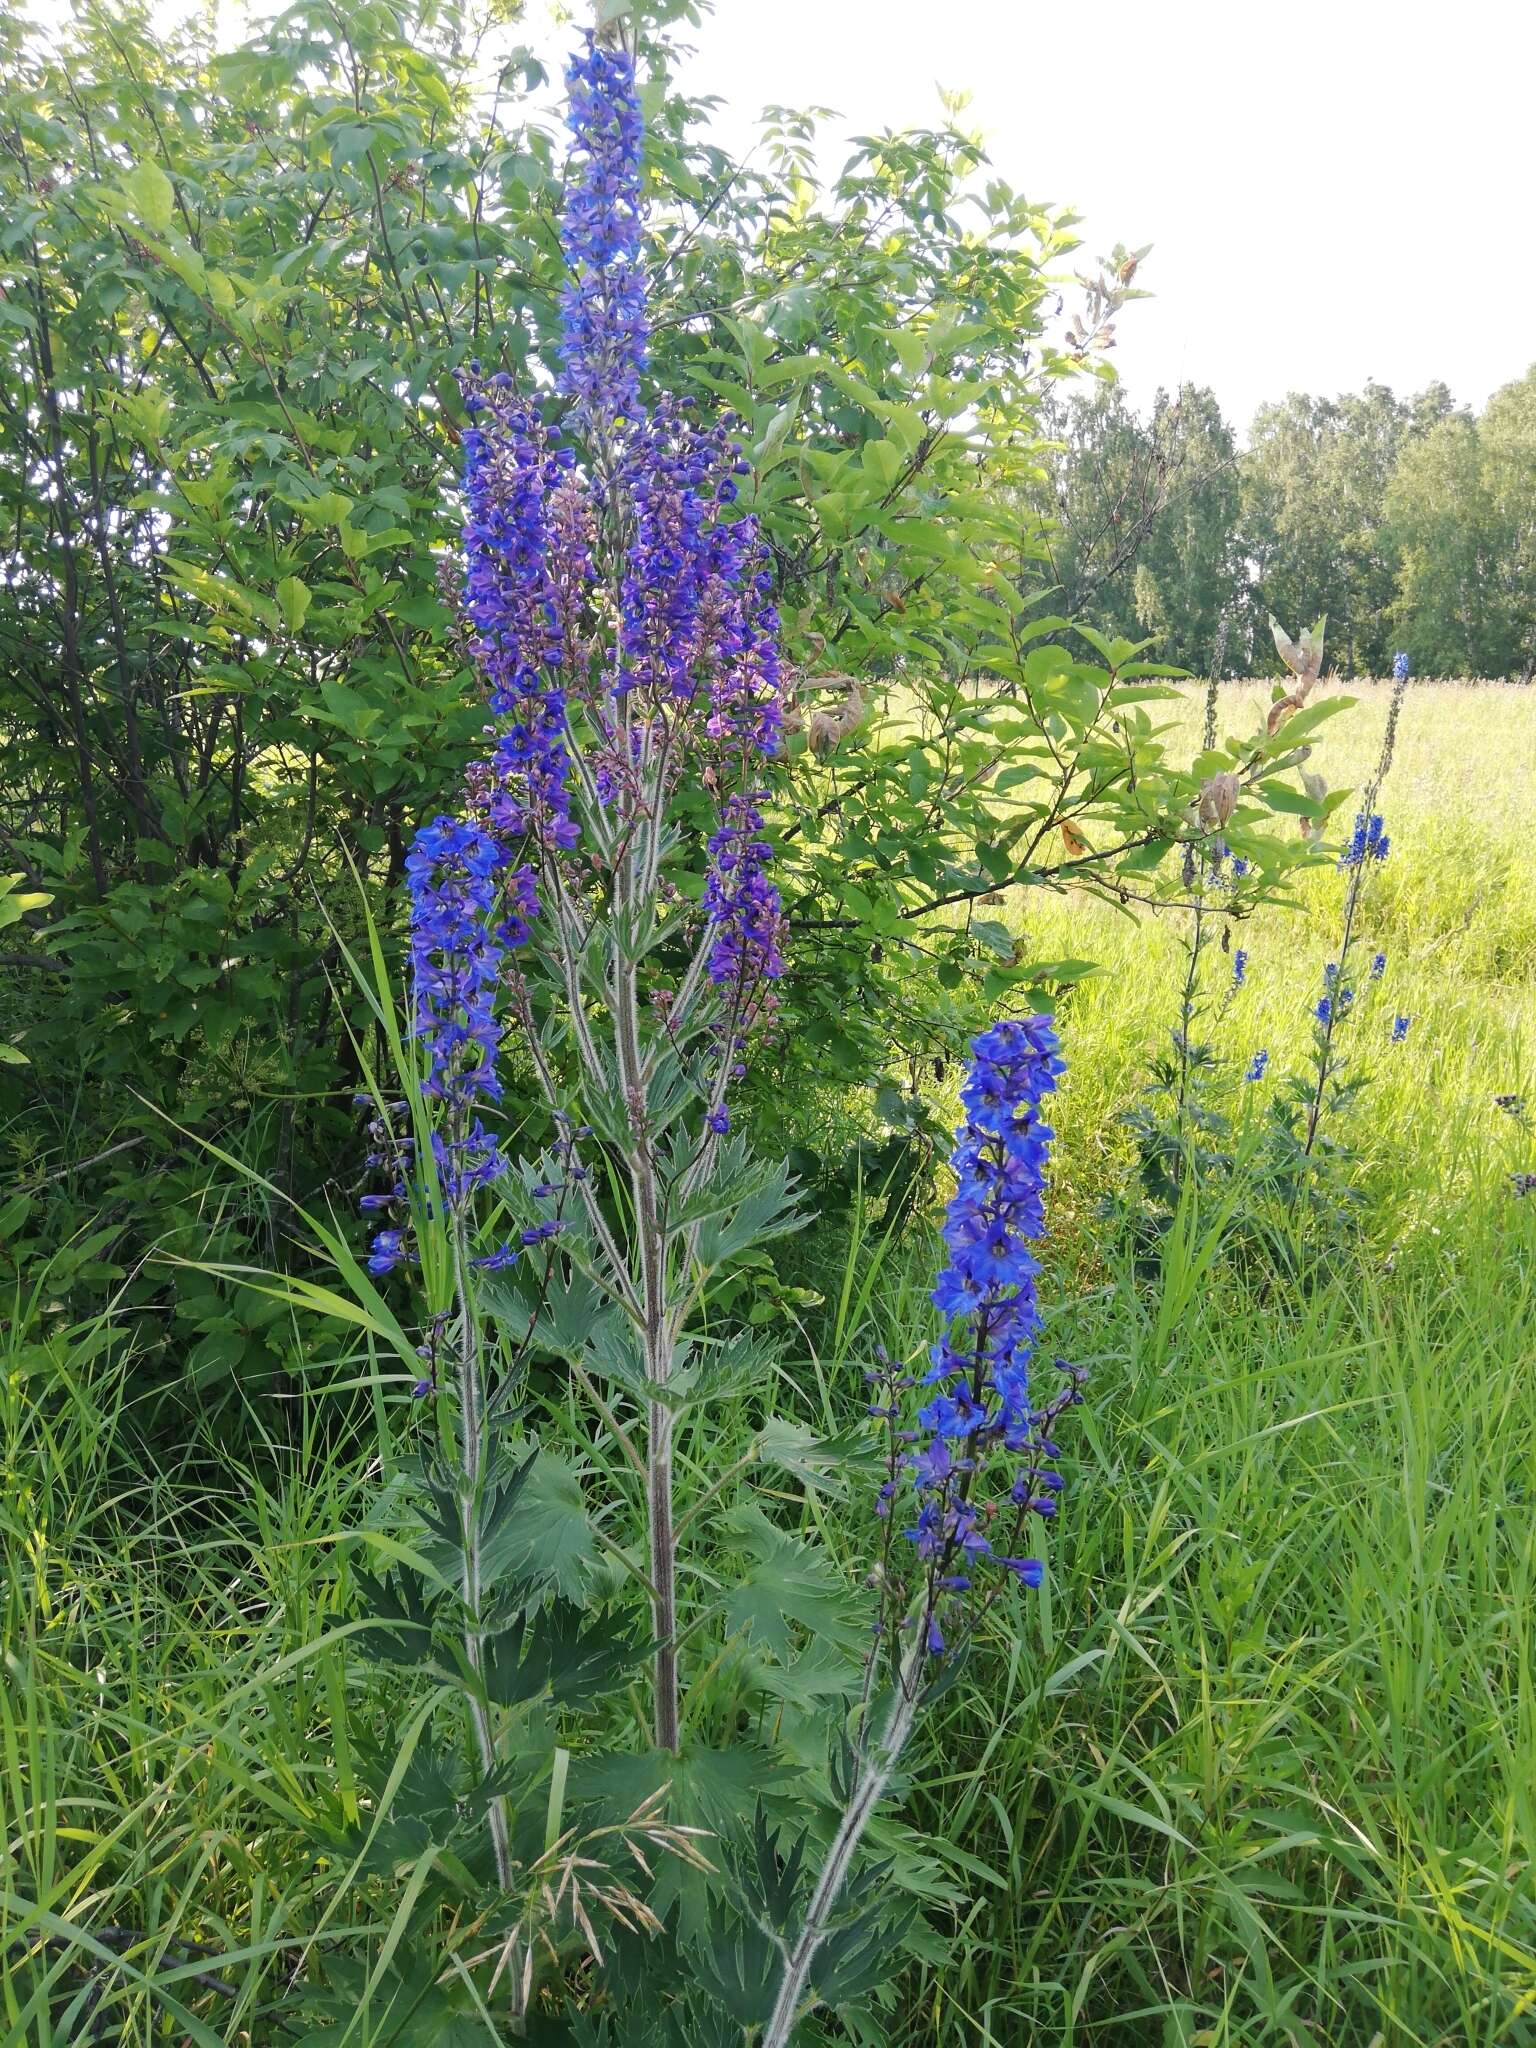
{"type": "Point", "coordinates": [742, 905]}
{"type": "Point", "coordinates": [603, 345]}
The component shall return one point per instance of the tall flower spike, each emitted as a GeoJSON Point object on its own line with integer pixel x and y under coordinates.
{"type": "Point", "coordinates": [980, 1415]}
{"type": "Point", "coordinates": [468, 907]}
{"type": "Point", "coordinates": [603, 345]}
{"type": "Point", "coordinates": [517, 598]}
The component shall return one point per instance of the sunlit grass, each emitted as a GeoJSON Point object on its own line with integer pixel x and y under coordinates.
{"type": "Point", "coordinates": [1259, 1766]}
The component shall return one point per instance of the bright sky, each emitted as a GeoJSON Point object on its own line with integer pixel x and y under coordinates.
{"type": "Point", "coordinates": [1334, 189]}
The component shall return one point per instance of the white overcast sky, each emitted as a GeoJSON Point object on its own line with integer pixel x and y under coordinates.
{"type": "Point", "coordinates": [1334, 189]}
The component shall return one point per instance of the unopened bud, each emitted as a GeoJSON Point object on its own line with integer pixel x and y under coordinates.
{"type": "Point", "coordinates": [1217, 800]}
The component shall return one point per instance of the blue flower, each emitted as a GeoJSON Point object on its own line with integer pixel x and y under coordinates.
{"type": "Point", "coordinates": [1256, 1066]}
{"type": "Point", "coordinates": [1400, 1029]}
{"type": "Point", "coordinates": [719, 1120]}
{"type": "Point", "coordinates": [1399, 668]}
{"type": "Point", "coordinates": [526, 565]}
{"type": "Point", "coordinates": [1378, 966]}
{"type": "Point", "coordinates": [1239, 968]}
{"type": "Point", "coordinates": [981, 1403]}
{"type": "Point", "coordinates": [1324, 1011]}
{"type": "Point", "coordinates": [387, 1251]}
{"type": "Point", "coordinates": [1368, 841]}
{"type": "Point", "coordinates": [497, 1261]}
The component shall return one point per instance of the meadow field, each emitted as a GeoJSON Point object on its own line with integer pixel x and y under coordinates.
{"type": "Point", "coordinates": [1258, 1766]}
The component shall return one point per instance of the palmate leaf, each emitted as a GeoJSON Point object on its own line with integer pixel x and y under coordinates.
{"type": "Point", "coordinates": [764, 1210]}
{"type": "Point", "coordinates": [400, 1630]}
{"type": "Point", "coordinates": [570, 1317]}
{"type": "Point", "coordinates": [821, 1678]}
{"type": "Point", "coordinates": [739, 1967]}
{"type": "Point", "coordinates": [863, 1952]}
{"type": "Point", "coordinates": [547, 1545]}
{"type": "Point", "coordinates": [788, 1585]}
{"type": "Point", "coordinates": [406, 2007]}
{"type": "Point", "coordinates": [646, 2020]}
{"type": "Point", "coordinates": [557, 1650]}
{"type": "Point", "coordinates": [829, 1465]}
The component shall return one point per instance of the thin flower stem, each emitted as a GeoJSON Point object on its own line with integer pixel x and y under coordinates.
{"type": "Point", "coordinates": [875, 1771]}
{"type": "Point", "coordinates": [471, 1449]}
{"type": "Point", "coordinates": [656, 1334]}
{"type": "Point", "coordinates": [1327, 1067]}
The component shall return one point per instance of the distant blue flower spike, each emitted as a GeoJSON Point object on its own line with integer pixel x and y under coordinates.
{"type": "Point", "coordinates": [1367, 842]}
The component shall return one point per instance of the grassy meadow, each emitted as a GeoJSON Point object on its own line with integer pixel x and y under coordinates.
{"type": "Point", "coordinates": [1258, 1766]}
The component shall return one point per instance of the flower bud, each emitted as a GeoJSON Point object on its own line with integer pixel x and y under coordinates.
{"type": "Point", "coordinates": [1218, 799]}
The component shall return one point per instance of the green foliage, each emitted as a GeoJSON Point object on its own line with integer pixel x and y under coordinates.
{"type": "Point", "coordinates": [1145, 519]}
{"type": "Point", "coordinates": [237, 288]}
{"type": "Point", "coordinates": [1315, 479]}
{"type": "Point", "coordinates": [1405, 520]}
{"type": "Point", "coordinates": [1460, 509]}
{"type": "Point", "coordinates": [1278, 1692]}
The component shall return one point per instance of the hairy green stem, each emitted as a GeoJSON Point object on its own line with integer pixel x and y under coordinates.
{"type": "Point", "coordinates": [795, 1995]}
{"type": "Point", "coordinates": [471, 1451]}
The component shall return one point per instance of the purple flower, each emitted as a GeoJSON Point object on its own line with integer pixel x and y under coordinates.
{"type": "Point", "coordinates": [742, 905]}
{"type": "Point", "coordinates": [524, 582]}
{"type": "Point", "coordinates": [466, 909]}
{"type": "Point", "coordinates": [603, 314]}
{"type": "Point", "coordinates": [387, 1251]}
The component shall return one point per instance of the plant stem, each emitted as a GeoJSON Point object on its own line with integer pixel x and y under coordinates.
{"type": "Point", "coordinates": [870, 1787]}
{"type": "Point", "coordinates": [472, 1445]}
{"type": "Point", "coordinates": [657, 1333]}
{"type": "Point", "coordinates": [1326, 1067]}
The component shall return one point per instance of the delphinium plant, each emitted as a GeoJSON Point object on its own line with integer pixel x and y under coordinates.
{"type": "Point", "coordinates": [1197, 1128]}
{"type": "Point", "coordinates": [1302, 1155]}
{"type": "Point", "coordinates": [970, 1464]}
{"type": "Point", "coordinates": [599, 917]}
{"type": "Point", "coordinates": [1175, 1125]}
{"type": "Point", "coordinates": [1183, 1125]}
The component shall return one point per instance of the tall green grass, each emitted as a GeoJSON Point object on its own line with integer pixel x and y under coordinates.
{"type": "Point", "coordinates": [1259, 1766]}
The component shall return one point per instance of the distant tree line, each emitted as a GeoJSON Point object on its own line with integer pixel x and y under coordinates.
{"type": "Point", "coordinates": [1410, 522]}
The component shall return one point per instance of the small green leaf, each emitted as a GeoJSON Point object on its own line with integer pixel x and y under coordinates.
{"type": "Point", "coordinates": [293, 599]}
{"type": "Point", "coordinates": [151, 195]}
